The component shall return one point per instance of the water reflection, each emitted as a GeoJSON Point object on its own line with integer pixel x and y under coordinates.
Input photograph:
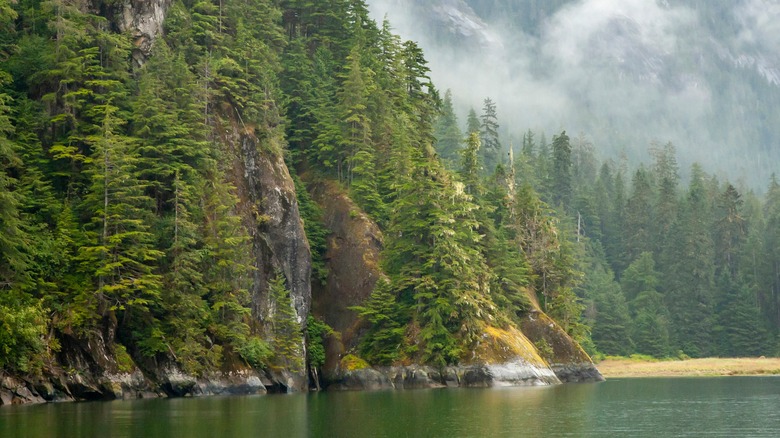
{"type": "Point", "coordinates": [735, 406]}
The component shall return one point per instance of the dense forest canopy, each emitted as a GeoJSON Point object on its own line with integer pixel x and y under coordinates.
{"type": "Point", "coordinates": [119, 211]}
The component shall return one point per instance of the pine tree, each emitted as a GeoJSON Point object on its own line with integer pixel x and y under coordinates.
{"type": "Point", "coordinates": [13, 242]}
{"type": "Point", "coordinates": [730, 231]}
{"type": "Point", "coordinates": [472, 122]}
{"type": "Point", "coordinates": [769, 260]}
{"type": "Point", "coordinates": [449, 139]}
{"type": "Point", "coordinates": [639, 216]}
{"type": "Point", "coordinates": [612, 322]}
{"type": "Point", "coordinates": [666, 176]}
{"type": "Point", "coordinates": [119, 250]}
{"type": "Point", "coordinates": [488, 132]}
{"type": "Point", "coordinates": [689, 287]}
{"type": "Point", "coordinates": [738, 328]}
{"type": "Point", "coordinates": [287, 335]}
{"type": "Point", "coordinates": [434, 263]}
{"type": "Point", "coordinates": [383, 343]}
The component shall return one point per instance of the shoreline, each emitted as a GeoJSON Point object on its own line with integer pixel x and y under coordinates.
{"type": "Point", "coordinates": [705, 367]}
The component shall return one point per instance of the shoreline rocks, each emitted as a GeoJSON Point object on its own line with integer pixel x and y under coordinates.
{"type": "Point", "coordinates": [514, 373]}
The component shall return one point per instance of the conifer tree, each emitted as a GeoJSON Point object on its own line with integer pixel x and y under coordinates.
{"type": "Point", "coordinates": [472, 122]}
{"type": "Point", "coordinates": [287, 333]}
{"type": "Point", "coordinates": [612, 323]}
{"type": "Point", "coordinates": [488, 132]}
{"type": "Point", "coordinates": [449, 139]}
{"type": "Point", "coordinates": [689, 288]}
{"type": "Point", "coordinates": [738, 328]}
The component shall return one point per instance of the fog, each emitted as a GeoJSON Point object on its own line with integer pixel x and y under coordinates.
{"type": "Point", "coordinates": [621, 73]}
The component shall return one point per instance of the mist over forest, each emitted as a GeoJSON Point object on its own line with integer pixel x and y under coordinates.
{"type": "Point", "coordinates": [620, 74]}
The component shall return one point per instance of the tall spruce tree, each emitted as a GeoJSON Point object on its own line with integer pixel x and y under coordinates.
{"type": "Point", "coordinates": [488, 131]}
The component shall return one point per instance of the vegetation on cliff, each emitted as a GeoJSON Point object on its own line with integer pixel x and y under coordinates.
{"type": "Point", "coordinates": [120, 210]}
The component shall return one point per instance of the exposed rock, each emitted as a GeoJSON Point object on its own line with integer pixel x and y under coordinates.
{"type": "Point", "coordinates": [353, 266]}
{"type": "Point", "coordinates": [583, 372]}
{"type": "Point", "coordinates": [517, 373]}
{"type": "Point", "coordinates": [237, 383]}
{"type": "Point", "coordinates": [568, 360]}
{"type": "Point", "coordinates": [15, 391]}
{"type": "Point", "coordinates": [269, 208]}
{"type": "Point", "coordinates": [362, 379]}
{"type": "Point", "coordinates": [144, 20]}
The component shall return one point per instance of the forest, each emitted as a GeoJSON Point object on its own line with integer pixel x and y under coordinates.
{"type": "Point", "coordinates": [118, 206]}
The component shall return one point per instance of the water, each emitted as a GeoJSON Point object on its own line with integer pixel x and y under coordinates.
{"type": "Point", "coordinates": [685, 407]}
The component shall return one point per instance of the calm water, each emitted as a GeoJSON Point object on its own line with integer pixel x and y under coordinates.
{"type": "Point", "coordinates": [729, 406]}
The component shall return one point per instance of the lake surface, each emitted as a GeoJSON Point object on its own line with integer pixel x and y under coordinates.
{"type": "Point", "coordinates": [688, 407]}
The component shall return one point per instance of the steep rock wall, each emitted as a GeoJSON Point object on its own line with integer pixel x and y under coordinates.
{"type": "Point", "coordinates": [269, 209]}
{"type": "Point", "coordinates": [352, 259]}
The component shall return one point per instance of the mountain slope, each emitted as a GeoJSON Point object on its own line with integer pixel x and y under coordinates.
{"type": "Point", "coordinates": [703, 75]}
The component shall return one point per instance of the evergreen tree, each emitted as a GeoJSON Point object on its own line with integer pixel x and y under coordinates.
{"type": "Point", "coordinates": [488, 132]}
{"type": "Point", "coordinates": [738, 327]}
{"type": "Point", "coordinates": [383, 343]}
{"type": "Point", "coordinates": [434, 263]}
{"type": "Point", "coordinates": [13, 242]}
{"type": "Point", "coordinates": [472, 122]}
{"type": "Point", "coordinates": [689, 286]}
{"type": "Point", "coordinates": [448, 136]}
{"type": "Point", "coordinates": [287, 335]}
{"type": "Point", "coordinates": [666, 176]}
{"type": "Point", "coordinates": [639, 216]}
{"type": "Point", "coordinates": [730, 230]}
{"type": "Point", "coordinates": [650, 331]}
{"type": "Point", "coordinates": [611, 323]}
{"type": "Point", "coordinates": [768, 265]}
{"type": "Point", "coordinates": [561, 170]}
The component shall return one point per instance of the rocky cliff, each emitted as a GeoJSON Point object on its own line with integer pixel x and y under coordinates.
{"type": "Point", "coordinates": [504, 356]}
{"type": "Point", "coordinates": [95, 366]}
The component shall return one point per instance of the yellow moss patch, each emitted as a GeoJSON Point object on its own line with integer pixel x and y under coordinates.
{"type": "Point", "coordinates": [351, 362]}
{"type": "Point", "coordinates": [502, 345]}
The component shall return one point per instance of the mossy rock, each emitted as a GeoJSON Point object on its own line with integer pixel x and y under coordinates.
{"type": "Point", "coordinates": [351, 362]}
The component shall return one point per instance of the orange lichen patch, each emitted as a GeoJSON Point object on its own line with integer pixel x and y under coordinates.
{"type": "Point", "coordinates": [504, 345]}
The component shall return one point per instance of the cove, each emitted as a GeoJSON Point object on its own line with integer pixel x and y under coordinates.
{"type": "Point", "coordinates": [685, 407]}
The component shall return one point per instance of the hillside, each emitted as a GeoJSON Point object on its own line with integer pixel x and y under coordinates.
{"type": "Point", "coordinates": [157, 239]}
{"type": "Point", "coordinates": [703, 75]}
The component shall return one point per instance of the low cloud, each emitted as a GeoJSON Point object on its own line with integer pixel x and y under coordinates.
{"type": "Point", "coordinates": [623, 72]}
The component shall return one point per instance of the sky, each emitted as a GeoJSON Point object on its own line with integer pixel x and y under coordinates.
{"type": "Point", "coordinates": [620, 74]}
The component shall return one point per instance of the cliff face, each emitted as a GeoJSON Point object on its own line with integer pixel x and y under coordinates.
{"type": "Point", "coordinates": [269, 208]}
{"type": "Point", "coordinates": [353, 268]}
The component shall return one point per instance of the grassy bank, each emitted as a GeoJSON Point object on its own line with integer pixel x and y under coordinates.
{"type": "Point", "coordinates": [635, 367]}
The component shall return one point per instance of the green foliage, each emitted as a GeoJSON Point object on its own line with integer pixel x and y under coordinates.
{"type": "Point", "coordinates": [612, 322]}
{"type": "Point", "coordinates": [255, 351]}
{"type": "Point", "coordinates": [316, 233]}
{"type": "Point", "coordinates": [491, 151]}
{"type": "Point", "coordinates": [351, 362]}
{"type": "Point", "coordinates": [287, 336]}
{"type": "Point", "coordinates": [316, 332]}
{"type": "Point", "coordinates": [116, 201]}
{"type": "Point", "coordinates": [382, 344]}
{"type": "Point", "coordinates": [544, 349]}
{"type": "Point", "coordinates": [23, 326]}
{"type": "Point", "coordinates": [123, 359]}
{"type": "Point", "coordinates": [449, 139]}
